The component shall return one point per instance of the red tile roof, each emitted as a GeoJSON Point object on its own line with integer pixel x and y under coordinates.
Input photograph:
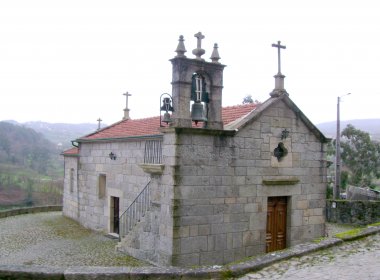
{"type": "Point", "coordinates": [232, 113]}
{"type": "Point", "coordinates": [150, 126]}
{"type": "Point", "coordinates": [71, 152]}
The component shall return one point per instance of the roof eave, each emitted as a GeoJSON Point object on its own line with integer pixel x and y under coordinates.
{"type": "Point", "coordinates": [127, 138]}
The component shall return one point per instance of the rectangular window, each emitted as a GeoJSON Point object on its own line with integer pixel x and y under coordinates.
{"type": "Point", "coordinates": [72, 180]}
{"type": "Point", "coordinates": [102, 186]}
{"type": "Point", "coordinates": [153, 152]}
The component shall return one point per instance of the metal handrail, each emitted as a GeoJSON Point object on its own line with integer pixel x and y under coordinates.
{"type": "Point", "coordinates": [135, 211]}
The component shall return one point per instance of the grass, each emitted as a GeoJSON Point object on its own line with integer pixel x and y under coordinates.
{"type": "Point", "coordinates": [349, 233]}
{"type": "Point", "coordinates": [354, 232]}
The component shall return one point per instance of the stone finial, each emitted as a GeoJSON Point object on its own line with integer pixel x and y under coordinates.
{"type": "Point", "coordinates": [279, 86]}
{"type": "Point", "coordinates": [198, 52]}
{"type": "Point", "coordinates": [215, 54]}
{"type": "Point", "coordinates": [181, 47]}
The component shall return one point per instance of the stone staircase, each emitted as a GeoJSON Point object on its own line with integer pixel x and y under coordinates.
{"type": "Point", "coordinates": [135, 212]}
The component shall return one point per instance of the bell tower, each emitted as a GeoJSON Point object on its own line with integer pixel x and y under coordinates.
{"type": "Point", "coordinates": [197, 87]}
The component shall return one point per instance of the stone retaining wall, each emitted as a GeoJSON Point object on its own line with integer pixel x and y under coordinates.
{"type": "Point", "coordinates": [358, 212]}
{"type": "Point", "coordinates": [29, 210]}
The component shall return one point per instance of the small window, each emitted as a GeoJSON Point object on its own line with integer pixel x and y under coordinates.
{"type": "Point", "coordinates": [72, 180]}
{"type": "Point", "coordinates": [102, 186]}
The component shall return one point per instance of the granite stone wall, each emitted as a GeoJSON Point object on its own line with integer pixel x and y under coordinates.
{"type": "Point", "coordinates": [124, 179]}
{"type": "Point", "coordinates": [70, 188]}
{"type": "Point", "coordinates": [222, 185]}
{"type": "Point", "coordinates": [209, 204]}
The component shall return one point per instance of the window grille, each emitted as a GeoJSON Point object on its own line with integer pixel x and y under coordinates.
{"type": "Point", "coordinates": [153, 152]}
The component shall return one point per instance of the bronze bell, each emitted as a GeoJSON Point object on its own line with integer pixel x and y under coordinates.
{"type": "Point", "coordinates": [198, 113]}
{"type": "Point", "coordinates": [167, 118]}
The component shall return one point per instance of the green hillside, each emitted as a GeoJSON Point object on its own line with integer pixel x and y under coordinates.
{"type": "Point", "coordinates": [31, 168]}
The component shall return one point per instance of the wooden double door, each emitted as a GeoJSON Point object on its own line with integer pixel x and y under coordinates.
{"type": "Point", "coordinates": [276, 223]}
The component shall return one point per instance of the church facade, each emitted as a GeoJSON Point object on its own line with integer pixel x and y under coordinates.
{"type": "Point", "coordinates": [202, 184]}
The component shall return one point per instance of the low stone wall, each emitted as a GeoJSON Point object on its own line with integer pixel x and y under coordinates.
{"type": "Point", "coordinates": [29, 210]}
{"type": "Point", "coordinates": [358, 212]}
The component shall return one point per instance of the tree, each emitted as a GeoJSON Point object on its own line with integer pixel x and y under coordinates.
{"type": "Point", "coordinates": [248, 99]}
{"type": "Point", "coordinates": [361, 156]}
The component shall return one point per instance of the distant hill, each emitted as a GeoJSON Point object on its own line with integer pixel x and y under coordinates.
{"type": "Point", "coordinates": [24, 147]}
{"type": "Point", "coordinates": [372, 126]}
{"type": "Point", "coordinates": [61, 134]}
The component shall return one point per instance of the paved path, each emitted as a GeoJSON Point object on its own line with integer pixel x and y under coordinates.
{"type": "Point", "coordinates": [50, 239]}
{"type": "Point", "coordinates": [356, 260]}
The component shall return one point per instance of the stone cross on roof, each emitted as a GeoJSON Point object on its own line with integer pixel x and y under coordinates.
{"type": "Point", "coordinates": [99, 121]}
{"type": "Point", "coordinates": [279, 78]}
{"type": "Point", "coordinates": [279, 46]}
{"type": "Point", "coordinates": [127, 94]}
{"type": "Point", "coordinates": [126, 110]}
{"type": "Point", "coordinates": [198, 52]}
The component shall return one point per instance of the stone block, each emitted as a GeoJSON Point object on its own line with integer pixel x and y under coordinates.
{"type": "Point", "coordinates": [181, 231]}
{"type": "Point", "coordinates": [198, 220]}
{"type": "Point", "coordinates": [194, 230]}
{"type": "Point", "coordinates": [251, 237]}
{"type": "Point", "coordinates": [194, 210]}
{"type": "Point", "coordinates": [228, 227]}
{"type": "Point", "coordinates": [227, 191]}
{"type": "Point", "coordinates": [230, 200]}
{"type": "Point", "coordinates": [237, 239]}
{"type": "Point", "coordinates": [254, 250]}
{"type": "Point", "coordinates": [186, 260]}
{"type": "Point", "coordinates": [314, 220]}
{"type": "Point", "coordinates": [204, 229]}
{"type": "Point", "coordinates": [251, 207]}
{"type": "Point", "coordinates": [211, 258]}
{"type": "Point", "coordinates": [193, 244]}
{"type": "Point", "coordinates": [302, 204]}
{"type": "Point", "coordinates": [233, 218]}
{"type": "Point", "coordinates": [220, 242]}
{"type": "Point", "coordinates": [245, 191]}
{"type": "Point", "coordinates": [257, 221]}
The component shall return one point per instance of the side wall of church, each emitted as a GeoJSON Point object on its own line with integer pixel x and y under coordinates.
{"type": "Point", "coordinates": [220, 200]}
{"type": "Point", "coordinates": [122, 176]}
{"type": "Point", "coordinates": [70, 188]}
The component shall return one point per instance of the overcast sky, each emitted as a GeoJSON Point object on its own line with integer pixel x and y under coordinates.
{"type": "Point", "coordinates": [71, 61]}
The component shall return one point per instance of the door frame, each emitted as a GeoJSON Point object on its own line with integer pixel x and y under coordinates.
{"type": "Point", "coordinates": [114, 226]}
{"type": "Point", "coordinates": [278, 200]}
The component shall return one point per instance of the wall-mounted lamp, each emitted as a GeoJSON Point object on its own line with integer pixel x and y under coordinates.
{"type": "Point", "coordinates": [284, 134]}
{"type": "Point", "coordinates": [112, 156]}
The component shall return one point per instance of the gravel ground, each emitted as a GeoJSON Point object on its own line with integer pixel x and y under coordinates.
{"type": "Point", "coordinates": [50, 239]}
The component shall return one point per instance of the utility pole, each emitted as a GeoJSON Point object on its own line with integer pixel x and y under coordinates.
{"type": "Point", "coordinates": [336, 189]}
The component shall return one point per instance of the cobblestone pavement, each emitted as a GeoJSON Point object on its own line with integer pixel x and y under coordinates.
{"type": "Point", "coordinates": [50, 239]}
{"type": "Point", "coordinates": [355, 260]}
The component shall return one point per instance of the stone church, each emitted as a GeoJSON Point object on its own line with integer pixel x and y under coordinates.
{"type": "Point", "coordinates": [201, 184]}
